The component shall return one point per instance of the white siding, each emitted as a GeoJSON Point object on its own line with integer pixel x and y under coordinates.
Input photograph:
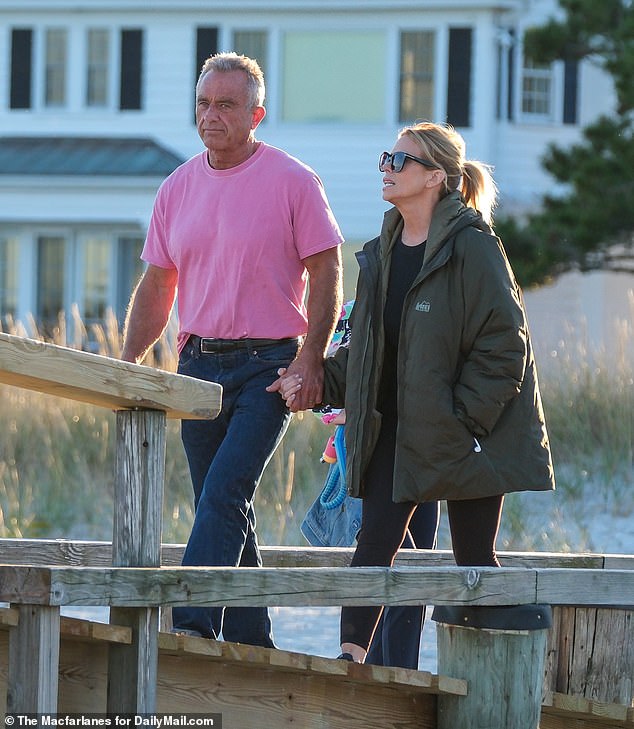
{"type": "Point", "coordinates": [344, 155]}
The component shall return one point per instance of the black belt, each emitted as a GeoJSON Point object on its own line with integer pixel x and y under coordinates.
{"type": "Point", "coordinates": [217, 346]}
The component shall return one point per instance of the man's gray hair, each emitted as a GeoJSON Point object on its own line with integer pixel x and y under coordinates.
{"type": "Point", "coordinates": [231, 61]}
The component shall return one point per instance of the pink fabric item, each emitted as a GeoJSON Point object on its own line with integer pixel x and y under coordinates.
{"type": "Point", "coordinates": [237, 238]}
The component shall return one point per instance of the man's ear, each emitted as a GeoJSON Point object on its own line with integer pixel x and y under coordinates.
{"type": "Point", "coordinates": [258, 114]}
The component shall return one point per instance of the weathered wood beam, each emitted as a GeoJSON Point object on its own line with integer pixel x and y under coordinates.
{"type": "Point", "coordinates": [34, 660]}
{"type": "Point", "coordinates": [136, 542]}
{"type": "Point", "coordinates": [103, 381]}
{"type": "Point", "coordinates": [93, 554]}
{"type": "Point", "coordinates": [138, 488]}
{"type": "Point", "coordinates": [281, 586]}
{"type": "Point", "coordinates": [580, 709]}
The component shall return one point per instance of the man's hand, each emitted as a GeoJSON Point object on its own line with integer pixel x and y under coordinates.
{"type": "Point", "coordinates": [308, 372]}
{"type": "Point", "coordinates": [302, 383]}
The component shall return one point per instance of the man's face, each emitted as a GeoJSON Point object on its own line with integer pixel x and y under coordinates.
{"type": "Point", "coordinates": [224, 117]}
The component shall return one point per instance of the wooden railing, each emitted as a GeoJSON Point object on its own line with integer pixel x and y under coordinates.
{"type": "Point", "coordinates": [136, 576]}
{"type": "Point", "coordinates": [143, 398]}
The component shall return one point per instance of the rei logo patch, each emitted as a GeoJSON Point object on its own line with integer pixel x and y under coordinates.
{"type": "Point", "coordinates": [423, 306]}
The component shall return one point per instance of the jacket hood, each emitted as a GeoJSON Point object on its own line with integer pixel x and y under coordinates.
{"type": "Point", "coordinates": [450, 216]}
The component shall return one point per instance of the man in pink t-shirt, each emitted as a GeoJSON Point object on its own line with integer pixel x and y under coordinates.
{"type": "Point", "coordinates": [238, 231]}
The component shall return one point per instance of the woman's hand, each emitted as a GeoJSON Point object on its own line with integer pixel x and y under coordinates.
{"type": "Point", "coordinates": [287, 385]}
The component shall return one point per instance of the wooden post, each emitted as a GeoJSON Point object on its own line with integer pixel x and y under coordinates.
{"type": "Point", "coordinates": [139, 481]}
{"type": "Point", "coordinates": [504, 670]}
{"type": "Point", "coordinates": [34, 661]}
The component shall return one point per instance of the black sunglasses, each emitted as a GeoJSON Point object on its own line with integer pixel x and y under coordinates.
{"type": "Point", "coordinates": [396, 160]}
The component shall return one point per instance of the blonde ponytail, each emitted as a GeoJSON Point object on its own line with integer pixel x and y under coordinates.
{"type": "Point", "coordinates": [478, 188]}
{"type": "Point", "coordinates": [441, 144]}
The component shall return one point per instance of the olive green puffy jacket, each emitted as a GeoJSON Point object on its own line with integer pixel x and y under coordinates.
{"type": "Point", "coordinates": [470, 418]}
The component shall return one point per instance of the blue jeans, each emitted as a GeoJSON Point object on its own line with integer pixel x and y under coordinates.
{"type": "Point", "coordinates": [226, 459]}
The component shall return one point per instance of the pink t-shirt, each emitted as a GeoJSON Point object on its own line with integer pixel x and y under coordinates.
{"type": "Point", "coordinates": [237, 238]}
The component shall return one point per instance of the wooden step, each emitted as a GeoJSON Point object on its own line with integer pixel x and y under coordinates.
{"type": "Point", "coordinates": [561, 711]}
{"type": "Point", "coordinates": [247, 685]}
{"type": "Point", "coordinates": [288, 661]}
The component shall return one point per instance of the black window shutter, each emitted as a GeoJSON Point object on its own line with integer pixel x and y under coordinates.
{"type": "Point", "coordinates": [21, 64]}
{"type": "Point", "coordinates": [571, 84]}
{"type": "Point", "coordinates": [511, 78]}
{"type": "Point", "coordinates": [131, 69]}
{"type": "Point", "coordinates": [459, 77]}
{"type": "Point", "coordinates": [206, 45]}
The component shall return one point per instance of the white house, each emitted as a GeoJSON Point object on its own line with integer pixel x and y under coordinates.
{"type": "Point", "coordinates": [97, 107]}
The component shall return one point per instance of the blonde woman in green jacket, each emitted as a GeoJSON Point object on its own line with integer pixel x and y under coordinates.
{"type": "Point", "coordinates": [439, 382]}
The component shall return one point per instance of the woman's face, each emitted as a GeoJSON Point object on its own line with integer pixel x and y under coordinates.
{"type": "Point", "coordinates": [413, 181]}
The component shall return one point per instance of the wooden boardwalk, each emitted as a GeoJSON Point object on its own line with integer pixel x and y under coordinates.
{"type": "Point", "coordinates": [49, 663]}
{"type": "Point", "coordinates": [246, 684]}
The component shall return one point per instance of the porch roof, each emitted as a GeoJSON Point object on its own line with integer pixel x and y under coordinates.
{"type": "Point", "coordinates": [86, 156]}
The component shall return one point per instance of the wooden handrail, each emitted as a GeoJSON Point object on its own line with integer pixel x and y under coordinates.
{"type": "Point", "coordinates": [85, 553]}
{"type": "Point", "coordinates": [104, 381]}
{"type": "Point", "coordinates": [136, 587]}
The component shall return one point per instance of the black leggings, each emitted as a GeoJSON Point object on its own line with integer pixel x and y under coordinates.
{"type": "Point", "coordinates": [473, 523]}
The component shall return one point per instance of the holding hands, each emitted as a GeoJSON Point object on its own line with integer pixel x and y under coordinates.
{"type": "Point", "coordinates": [289, 386]}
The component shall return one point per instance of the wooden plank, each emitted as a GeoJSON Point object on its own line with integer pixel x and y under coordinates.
{"type": "Point", "coordinates": [560, 711]}
{"type": "Point", "coordinates": [9, 616]}
{"type": "Point", "coordinates": [186, 683]}
{"type": "Point", "coordinates": [591, 653]}
{"type": "Point", "coordinates": [180, 643]}
{"type": "Point", "coordinates": [34, 660]}
{"type": "Point", "coordinates": [103, 381]}
{"type": "Point", "coordinates": [618, 561]}
{"type": "Point", "coordinates": [70, 552]}
{"type": "Point", "coordinates": [91, 631]}
{"type": "Point", "coordinates": [133, 669]}
{"type": "Point", "coordinates": [554, 719]}
{"type": "Point", "coordinates": [25, 585]}
{"type": "Point", "coordinates": [247, 655]}
{"type": "Point", "coordinates": [247, 694]}
{"type": "Point", "coordinates": [142, 587]}
{"type": "Point", "coordinates": [253, 696]}
{"type": "Point", "coordinates": [282, 586]}
{"type": "Point", "coordinates": [609, 588]}
{"type": "Point", "coordinates": [139, 481]}
{"type": "Point", "coordinates": [92, 554]}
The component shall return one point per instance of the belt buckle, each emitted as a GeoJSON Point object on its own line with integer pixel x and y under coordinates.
{"type": "Point", "coordinates": [207, 346]}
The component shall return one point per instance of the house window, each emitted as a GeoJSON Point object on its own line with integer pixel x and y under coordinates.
{"type": "Point", "coordinates": [97, 67]}
{"type": "Point", "coordinates": [326, 76]}
{"type": "Point", "coordinates": [416, 99]}
{"type": "Point", "coordinates": [252, 43]}
{"type": "Point", "coordinates": [95, 275]}
{"type": "Point", "coordinates": [103, 68]}
{"type": "Point", "coordinates": [56, 42]}
{"type": "Point", "coordinates": [8, 277]}
{"type": "Point", "coordinates": [51, 260]}
{"type": "Point", "coordinates": [537, 85]}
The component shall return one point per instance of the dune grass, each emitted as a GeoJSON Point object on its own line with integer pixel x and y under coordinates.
{"type": "Point", "coordinates": [57, 469]}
